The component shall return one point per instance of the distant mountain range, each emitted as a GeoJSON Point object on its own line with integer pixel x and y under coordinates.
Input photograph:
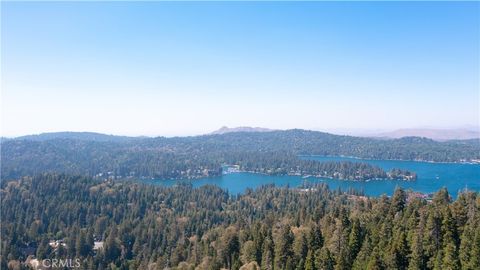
{"type": "Point", "coordinates": [84, 136]}
{"type": "Point", "coordinates": [224, 130]}
{"type": "Point", "coordinates": [430, 133]}
{"type": "Point", "coordinates": [434, 134]}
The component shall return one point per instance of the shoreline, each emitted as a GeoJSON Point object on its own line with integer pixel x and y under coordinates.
{"type": "Point", "coordinates": [385, 159]}
{"type": "Point", "coordinates": [304, 177]}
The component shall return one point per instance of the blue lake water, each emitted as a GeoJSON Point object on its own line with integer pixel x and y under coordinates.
{"type": "Point", "coordinates": [431, 177]}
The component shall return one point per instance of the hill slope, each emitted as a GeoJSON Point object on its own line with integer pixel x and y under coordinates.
{"type": "Point", "coordinates": [85, 136]}
{"type": "Point", "coordinates": [192, 157]}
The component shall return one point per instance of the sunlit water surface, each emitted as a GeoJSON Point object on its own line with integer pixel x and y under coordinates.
{"type": "Point", "coordinates": [431, 177]}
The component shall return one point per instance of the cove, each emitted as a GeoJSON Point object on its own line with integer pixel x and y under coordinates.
{"type": "Point", "coordinates": [431, 177]}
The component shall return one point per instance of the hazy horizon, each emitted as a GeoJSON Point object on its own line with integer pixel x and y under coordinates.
{"type": "Point", "coordinates": [337, 131]}
{"type": "Point", "coordinates": [179, 69]}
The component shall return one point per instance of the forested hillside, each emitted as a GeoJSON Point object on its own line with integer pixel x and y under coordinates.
{"type": "Point", "coordinates": [199, 156]}
{"type": "Point", "coordinates": [151, 227]}
{"type": "Point", "coordinates": [86, 136]}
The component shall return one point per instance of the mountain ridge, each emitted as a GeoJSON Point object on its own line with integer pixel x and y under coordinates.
{"type": "Point", "coordinates": [469, 135]}
{"type": "Point", "coordinates": [75, 135]}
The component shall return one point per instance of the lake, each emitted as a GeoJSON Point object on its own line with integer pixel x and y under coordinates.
{"type": "Point", "coordinates": [431, 177]}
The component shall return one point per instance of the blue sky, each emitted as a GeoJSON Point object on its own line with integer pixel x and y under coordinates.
{"type": "Point", "coordinates": [178, 68]}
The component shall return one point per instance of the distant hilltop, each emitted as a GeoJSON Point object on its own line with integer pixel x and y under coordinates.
{"type": "Point", "coordinates": [430, 133]}
{"type": "Point", "coordinates": [71, 135]}
{"type": "Point", "coordinates": [434, 134]}
{"type": "Point", "coordinates": [225, 129]}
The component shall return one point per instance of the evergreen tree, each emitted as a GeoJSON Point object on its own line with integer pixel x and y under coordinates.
{"type": "Point", "coordinates": [283, 247]}
{"type": "Point", "coordinates": [449, 228]}
{"type": "Point", "coordinates": [231, 247]}
{"type": "Point", "coordinates": [301, 249]}
{"type": "Point", "coordinates": [355, 240]}
{"type": "Point", "coordinates": [300, 265]}
{"type": "Point", "coordinates": [417, 257]}
{"type": "Point", "coordinates": [441, 198]}
{"type": "Point", "coordinates": [324, 260]}
{"type": "Point", "coordinates": [438, 260]}
{"type": "Point", "coordinates": [375, 262]}
{"type": "Point", "coordinates": [475, 253]}
{"type": "Point", "coordinates": [341, 261]}
{"type": "Point", "coordinates": [315, 238]}
{"type": "Point", "coordinates": [248, 252]}
{"type": "Point", "coordinates": [433, 238]}
{"type": "Point", "coordinates": [81, 246]}
{"type": "Point", "coordinates": [466, 246]}
{"type": "Point", "coordinates": [398, 201]}
{"type": "Point", "coordinates": [310, 261]}
{"type": "Point", "coordinates": [451, 260]}
{"type": "Point", "coordinates": [43, 249]}
{"type": "Point", "coordinates": [339, 238]}
{"type": "Point", "coordinates": [363, 256]}
{"type": "Point", "coordinates": [112, 247]}
{"type": "Point", "coordinates": [385, 234]}
{"type": "Point", "coordinates": [268, 253]}
{"type": "Point", "coordinates": [290, 265]}
{"type": "Point", "coordinates": [399, 251]}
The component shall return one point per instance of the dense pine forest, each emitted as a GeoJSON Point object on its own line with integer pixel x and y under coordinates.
{"type": "Point", "coordinates": [126, 225]}
{"type": "Point", "coordinates": [273, 152]}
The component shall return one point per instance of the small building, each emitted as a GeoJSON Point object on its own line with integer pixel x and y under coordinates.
{"type": "Point", "coordinates": [97, 245]}
{"type": "Point", "coordinates": [54, 244]}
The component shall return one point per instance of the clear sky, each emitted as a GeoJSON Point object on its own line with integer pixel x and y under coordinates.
{"type": "Point", "coordinates": [189, 68]}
